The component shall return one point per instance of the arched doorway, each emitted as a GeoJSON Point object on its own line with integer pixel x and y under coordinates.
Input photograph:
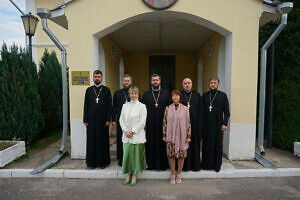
{"type": "Point", "coordinates": [175, 32]}
{"type": "Point", "coordinates": [169, 33]}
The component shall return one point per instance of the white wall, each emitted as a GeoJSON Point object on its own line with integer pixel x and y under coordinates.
{"type": "Point", "coordinates": [78, 130]}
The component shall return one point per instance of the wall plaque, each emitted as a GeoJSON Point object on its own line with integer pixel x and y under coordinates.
{"type": "Point", "coordinates": [80, 78]}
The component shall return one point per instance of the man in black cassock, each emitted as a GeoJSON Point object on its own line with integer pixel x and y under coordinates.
{"type": "Point", "coordinates": [156, 100]}
{"type": "Point", "coordinates": [120, 97]}
{"type": "Point", "coordinates": [96, 118]}
{"type": "Point", "coordinates": [216, 116]}
{"type": "Point", "coordinates": [193, 101]}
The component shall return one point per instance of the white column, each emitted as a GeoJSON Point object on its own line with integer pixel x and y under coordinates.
{"type": "Point", "coordinates": [221, 65]}
{"type": "Point", "coordinates": [227, 46]}
{"type": "Point", "coordinates": [239, 139]}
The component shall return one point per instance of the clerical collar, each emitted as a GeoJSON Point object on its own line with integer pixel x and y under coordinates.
{"type": "Point", "coordinates": [155, 88]}
{"type": "Point", "coordinates": [97, 86]}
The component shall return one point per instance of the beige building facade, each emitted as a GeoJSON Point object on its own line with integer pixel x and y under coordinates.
{"type": "Point", "coordinates": [192, 38]}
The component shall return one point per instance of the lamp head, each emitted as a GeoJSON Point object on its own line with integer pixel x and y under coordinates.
{"type": "Point", "coordinates": [29, 23]}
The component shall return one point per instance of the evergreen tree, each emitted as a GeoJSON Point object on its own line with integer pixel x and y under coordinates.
{"type": "Point", "coordinates": [20, 103]}
{"type": "Point", "coordinates": [50, 90]}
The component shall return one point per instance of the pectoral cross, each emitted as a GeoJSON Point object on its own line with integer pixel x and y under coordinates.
{"type": "Point", "coordinates": [188, 105]}
{"type": "Point", "coordinates": [156, 105]}
{"type": "Point", "coordinates": [210, 107]}
{"type": "Point", "coordinates": [97, 100]}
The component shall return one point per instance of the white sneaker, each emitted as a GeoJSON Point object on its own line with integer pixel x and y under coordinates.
{"type": "Point", "coordinates": [178, 179]}
{"type": "Point", "coordinates": [172, 179]}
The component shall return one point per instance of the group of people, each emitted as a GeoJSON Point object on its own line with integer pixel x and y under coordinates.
{"type": "Point", "coordinates": [156, 129]}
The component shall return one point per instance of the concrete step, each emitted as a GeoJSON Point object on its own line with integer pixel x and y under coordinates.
{"type": "Point", "coordinates": [114, 172]}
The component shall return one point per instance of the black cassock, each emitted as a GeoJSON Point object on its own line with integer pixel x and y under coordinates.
{"type": "Point", "coordinates": [96, 115]}
{"type": "Point", "coordinates": [156, 154]}
{"type": "Point", "coordinates": [119, 99]}
{"type": "Point", "coordinates": [213, 120]}
{"type": "Point", "coordinates": [192, 161]}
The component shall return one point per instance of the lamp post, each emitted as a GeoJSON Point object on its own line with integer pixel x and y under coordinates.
{"type": "Point", "coordinates": [30, 22]}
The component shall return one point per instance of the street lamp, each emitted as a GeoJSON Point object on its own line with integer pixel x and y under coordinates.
{"type": "Point", "coordinates": [30, 22]}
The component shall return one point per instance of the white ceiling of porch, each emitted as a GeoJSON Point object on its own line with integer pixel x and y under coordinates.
{"type": "Point", "coordinates": [161, 35]}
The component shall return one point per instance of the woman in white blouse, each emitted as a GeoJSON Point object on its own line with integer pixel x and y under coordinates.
{"type": "Point", "coordinates": [132, 121]}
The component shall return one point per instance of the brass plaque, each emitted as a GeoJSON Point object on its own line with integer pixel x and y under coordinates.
{"type": "Point", "coordinates": [80, 78]}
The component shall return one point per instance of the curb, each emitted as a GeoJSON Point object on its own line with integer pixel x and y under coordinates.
{"type": "Point", "coordinates": [116, 174]}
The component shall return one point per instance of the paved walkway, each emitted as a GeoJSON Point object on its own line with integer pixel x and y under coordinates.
{"type": "Point", "coordinates": [284, 188]}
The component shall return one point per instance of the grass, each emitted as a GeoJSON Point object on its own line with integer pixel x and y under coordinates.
{"type": "Point", "coordinates": [49, 138]}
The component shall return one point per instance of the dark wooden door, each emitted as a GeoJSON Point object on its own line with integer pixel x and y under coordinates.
{"type": "Point", "coordinates": [165, 67]}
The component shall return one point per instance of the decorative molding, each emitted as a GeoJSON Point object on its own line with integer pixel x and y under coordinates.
{"type": "Point", "coordinates": [159, 4]}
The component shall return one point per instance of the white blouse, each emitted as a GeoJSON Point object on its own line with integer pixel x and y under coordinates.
{"type": "Point", "coordinates": [133, 118]}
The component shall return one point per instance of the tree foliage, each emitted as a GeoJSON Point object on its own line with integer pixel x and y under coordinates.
{"type": "Point", "coordinates": [20, 103]}
{"type": "Point", "coordinates": [50, 90]}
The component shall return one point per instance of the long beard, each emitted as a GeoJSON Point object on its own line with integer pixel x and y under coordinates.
{"type": "Point", "coordinates": [155, 88]}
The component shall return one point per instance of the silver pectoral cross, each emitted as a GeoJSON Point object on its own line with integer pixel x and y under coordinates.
{"type": "Point", "coordinates": [210, 107]}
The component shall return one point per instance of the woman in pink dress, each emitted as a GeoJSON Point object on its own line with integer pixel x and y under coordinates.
{"type": "Point", "coordinates": [177, 134]}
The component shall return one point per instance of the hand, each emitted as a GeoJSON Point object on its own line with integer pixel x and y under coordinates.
{"type": "Point", "coordinates": [145, 128]}
{"type": "Point", "coordinates": [107, 123]}
{"type": "Point", "coordinates": [85, 124]}
{"type": "Point", "coordinates": [223, 128]}
{"type": "Point", "coordinates": [187, 140]}
{"type": "Point", "coordinates": [114, 123]}
{"type": "Point", "coordinates": [164, 139]}
{"type": "Point", "coordinates": [128, 134]}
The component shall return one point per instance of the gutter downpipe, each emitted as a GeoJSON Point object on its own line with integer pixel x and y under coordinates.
{"type": "Point", "coordinates": [44, 15]}
{"type": "Point", "coordinates": [284, 9]}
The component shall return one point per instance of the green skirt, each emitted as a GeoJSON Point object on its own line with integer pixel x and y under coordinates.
{"type": "Point", "coordinates": [134, 158]}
